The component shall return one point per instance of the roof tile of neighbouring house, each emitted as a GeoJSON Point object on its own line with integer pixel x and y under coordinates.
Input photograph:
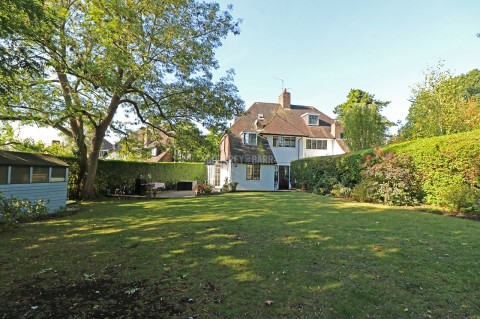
{"type": "Point", "coordinates": [29, 159]}
{"type": "Point", "coordinates": [280, 121]}
{"type": "Point", "coordinates": [250, 154]}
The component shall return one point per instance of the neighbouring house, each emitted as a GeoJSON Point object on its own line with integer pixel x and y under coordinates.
{"type": "Point", "coordinates": [34, 177]}
{"type": "Point", "coordinates": [106, 149]}
{"type": "Point", "coordinates": [156, 145]}
{"type": "Point", "coordinates": [258, 149]}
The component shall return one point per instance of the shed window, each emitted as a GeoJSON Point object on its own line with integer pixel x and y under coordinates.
{"type": "Point", "coordinates": [20, 175]}
{"type": "Point", "coordinates": [3, 174]}
{"type": "Point", "coordinates": [58, 174]}
{"type": "Point", "coordinates": [40, 175]}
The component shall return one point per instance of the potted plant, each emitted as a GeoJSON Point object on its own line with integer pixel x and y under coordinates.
{"type": "Point", "coordinates": [233, 186]}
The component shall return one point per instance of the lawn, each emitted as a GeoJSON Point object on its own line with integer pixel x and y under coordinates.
{"type": "Point", "coordinates": [224, 256]}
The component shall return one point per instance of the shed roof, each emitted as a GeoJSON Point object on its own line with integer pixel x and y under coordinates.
{"type": "Point", "coordinates": [29, 159]}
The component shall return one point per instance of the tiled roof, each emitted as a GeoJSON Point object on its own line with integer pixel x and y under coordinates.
{"type": "Point", "coordinates": [29, 159]}
{"type": "Point", "coordinates": [280, 121]}
{"type": "Point", "coordinates": [250, 154]}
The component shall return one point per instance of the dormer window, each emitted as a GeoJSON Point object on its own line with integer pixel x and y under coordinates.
{"type": "Point", "coordinates": [249, 138]}
{"type": "Point", "coordinates": [312, 119]}
{"type": "Point", "coordinates": [260, 116]}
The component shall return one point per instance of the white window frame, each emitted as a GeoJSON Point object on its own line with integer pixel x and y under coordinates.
{"type": "Point", "coordinates": [248, 138]}
{"type": "Point", "coordinates": [316, 144]}
{"type": "Point", "coordinates": [312, 116]}
{"type": "Point", "coordinates": [284, 141]}
{"type": "Point", "coordinates": [253, 172]}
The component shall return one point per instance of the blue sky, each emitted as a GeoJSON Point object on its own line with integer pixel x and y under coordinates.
{"type": "Point", "coordinates": [322, 49]}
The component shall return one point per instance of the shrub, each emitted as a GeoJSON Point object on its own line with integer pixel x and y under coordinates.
{"type": "Point", "coordinates": [390, 179]}
{"type": "Point", "coordinates": [14, 210]}
{"type": "Point", "coordinates": [320, 174]}
{"type": "Point", "coordinates": [443, 163]}
{"type": "Point", "coordinates": [339, 190]}
{"type": "Point", "coordinates": [460, 199]}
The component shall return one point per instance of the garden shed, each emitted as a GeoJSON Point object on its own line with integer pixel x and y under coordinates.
{"type": "Point", "coordinates": [34, 177]}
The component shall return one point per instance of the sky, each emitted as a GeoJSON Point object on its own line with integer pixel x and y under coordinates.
{"type": "Point", "coordinates": [323, 48]}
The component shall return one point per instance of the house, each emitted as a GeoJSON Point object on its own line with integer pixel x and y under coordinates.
{"type": "Point", "coordinates": [260, 145]}
{"type": "Point", "coordinates": [34, 177]}
{"type": "Point", "coordinates": [148, 146]}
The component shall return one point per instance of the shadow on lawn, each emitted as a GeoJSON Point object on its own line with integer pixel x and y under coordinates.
{"type": "Point", "coordinates": [222, 256]}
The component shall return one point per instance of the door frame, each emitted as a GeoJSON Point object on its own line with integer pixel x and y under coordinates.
{"type": "Point", "coordinates": [278, 177]}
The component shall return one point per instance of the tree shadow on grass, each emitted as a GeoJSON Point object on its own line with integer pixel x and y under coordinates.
{"type": "Point", "coordinates": [223, 256]}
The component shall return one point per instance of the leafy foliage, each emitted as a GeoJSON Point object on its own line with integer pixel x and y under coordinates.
{"type": "Point", "coordinates": [14, 210]}
{"type": "Point", "coordinates": [112, 174]}
{"type": "Point", "coordinates": [444, 163]}
{"type": "Point", "coordinates": [322, 174]}
{"type": "Point", "coordinates": [443, 171]}
{"type": "Point", "coordinates": [74, 65]}
{"type": "Point", "coordinates": [360, 116]}
{"type": "Point", "coordinates": [443, 104]}
{"type": "Point", "coordinates": [389, 179]}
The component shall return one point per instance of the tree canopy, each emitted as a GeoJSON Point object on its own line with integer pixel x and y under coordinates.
{"type": "Point", "coordinates": [360, 116]}
{"type": "Point", "coordinates": [76, 64]}
{"type": "Point", "coordinates": [443, 104]}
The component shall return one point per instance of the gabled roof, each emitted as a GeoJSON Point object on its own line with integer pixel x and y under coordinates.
{"type": "Point", "coordinates": [29, 159]}
{"type": "Point", "coordinates": [282, 121]}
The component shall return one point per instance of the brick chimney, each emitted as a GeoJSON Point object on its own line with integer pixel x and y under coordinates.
{"type": "Point", "coordinates": [284, 99]}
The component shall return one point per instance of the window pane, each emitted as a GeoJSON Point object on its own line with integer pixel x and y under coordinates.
{"type": "Point", "coordinates": [20, 175]}
{"type": "Point", "coordinates": [312, 119]}
{"type": "Point", "coordinates": [252, 139]}
{"type": "Point", "coordinates": [58, 174]}
{"type": "Point", "coordinates": [309, 144]}
{"type": "Point", "coordinates": [253, 171]}
{"type": "Point", "coordinates": [256, 171]}
{"type": "Point", "coordinates": [40, 175]}
{"type": "Point", "coordinates": [249, 171]}
{"type": "Point", "coordinates": [275, 141]}
{"type": "Point", "coordinates": [3, 174]}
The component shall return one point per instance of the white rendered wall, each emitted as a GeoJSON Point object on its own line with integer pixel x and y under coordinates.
{"type": "Point", "coordinates": [265, 183]}
{"type": "Point", "coordinates": [284, 155]}
{"type": "Point", "coordinates": [332, 149]}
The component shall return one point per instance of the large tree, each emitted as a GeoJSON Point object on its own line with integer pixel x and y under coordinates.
{"type": "Point", "coordinates": [443, 104]}
{"type": "Point", "coordinates": [75, 64]}
{"type": "Point", "coordinates": [360, 116]}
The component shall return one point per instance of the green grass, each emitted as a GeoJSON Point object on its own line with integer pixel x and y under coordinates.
{"type": "Point", "coordinates": [224, 256]}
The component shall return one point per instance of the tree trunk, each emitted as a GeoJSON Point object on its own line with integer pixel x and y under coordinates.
{"type": "Point", "coordinates": [79, 138]}
{"type": "Point", "coordinates": [88, 191]}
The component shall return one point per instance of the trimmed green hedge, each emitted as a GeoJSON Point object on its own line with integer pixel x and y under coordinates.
{"type": "Point", "coordinates": [448, 168]}
{"type": "Point", "coordinates": [112, 174]}
{"type": "Point", "coordinates": [444, 163]}
{"type": "Point", "coordinates": [320, 174]}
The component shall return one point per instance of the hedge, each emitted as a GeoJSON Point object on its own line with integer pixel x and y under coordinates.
{"type": "Point", "coordinates": [448, 168]}
{"type": "Point", "coordinates": [112, 174]}
{"type": "Point", "coordinates": [320, 174]}
{"type": "Point", "coordinates": [444, 163]}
